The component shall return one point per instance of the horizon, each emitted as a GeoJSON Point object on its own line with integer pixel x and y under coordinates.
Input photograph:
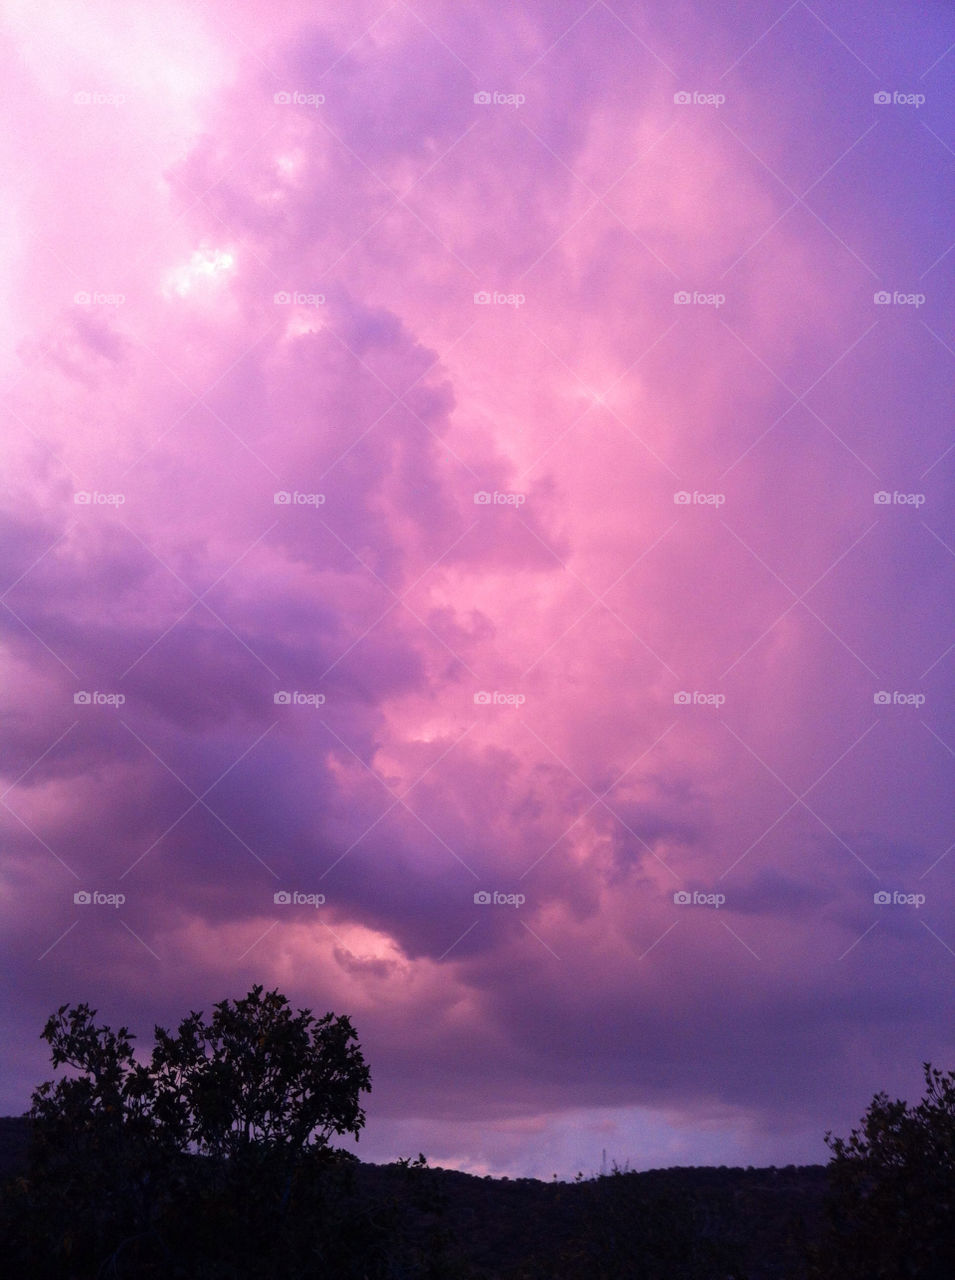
{"type": "Point", "coordinates": [477, 550]}
{"type": "Point", "coordinates": [608, 1167]}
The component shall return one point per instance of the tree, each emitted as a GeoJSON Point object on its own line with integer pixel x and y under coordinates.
{"type": "Point", "coordinates": [892, 1190]}
{"type": "Point", "coordinates": [260, 1076]}
{"type": "Point", "coordinates": [97, 1144]}
{"type": "Point", "coordinates": [119, 1144]}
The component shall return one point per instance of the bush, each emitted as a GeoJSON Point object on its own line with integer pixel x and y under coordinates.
{"type": "Point", "coordinates": [891, 1210]}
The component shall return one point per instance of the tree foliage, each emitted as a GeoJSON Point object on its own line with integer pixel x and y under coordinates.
{"type": "Point", "coordinates": [892, 1197]}
{"type": "Point", "coordinates": [259, 1075]}
{"type": "Point", "coordinates": [134, 1161]}
{"type": "Point", "coordinates": [211, 1156]}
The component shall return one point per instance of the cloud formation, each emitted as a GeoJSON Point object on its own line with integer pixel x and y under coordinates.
{"type": "Point", "coordinates": [452, 454]}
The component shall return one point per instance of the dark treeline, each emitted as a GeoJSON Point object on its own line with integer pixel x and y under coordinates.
{"type": "Point", "coordinates": [215, 1159]}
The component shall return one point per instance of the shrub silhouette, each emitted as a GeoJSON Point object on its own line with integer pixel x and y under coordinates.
{"type": "Point", "coordinates": [892, 1190]}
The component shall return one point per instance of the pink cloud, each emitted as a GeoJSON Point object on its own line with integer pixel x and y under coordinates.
{"type": "Point", "coordinates": [583, 590]}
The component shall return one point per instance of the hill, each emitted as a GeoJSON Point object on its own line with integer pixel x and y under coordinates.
{"type": "Point", "coordinates": [671, 1224]}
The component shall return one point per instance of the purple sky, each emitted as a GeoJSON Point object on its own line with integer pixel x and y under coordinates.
{"type": "Point", "coordinates": [605, 355]}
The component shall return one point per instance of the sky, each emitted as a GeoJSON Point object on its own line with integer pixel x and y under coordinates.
{"type": "Point", "coordinates": [476, 554]}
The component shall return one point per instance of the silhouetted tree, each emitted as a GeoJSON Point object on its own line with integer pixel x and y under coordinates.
{"type": "Point", "coordinates": [208, 1135]}
{"type": "Point", "coordinates": [892, 1190]}
{"type": "Point", "coordinates": [259, 1075]}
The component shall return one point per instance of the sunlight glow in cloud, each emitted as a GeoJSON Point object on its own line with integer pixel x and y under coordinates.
{"type": "Point", "coordinates": [204, 265]}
